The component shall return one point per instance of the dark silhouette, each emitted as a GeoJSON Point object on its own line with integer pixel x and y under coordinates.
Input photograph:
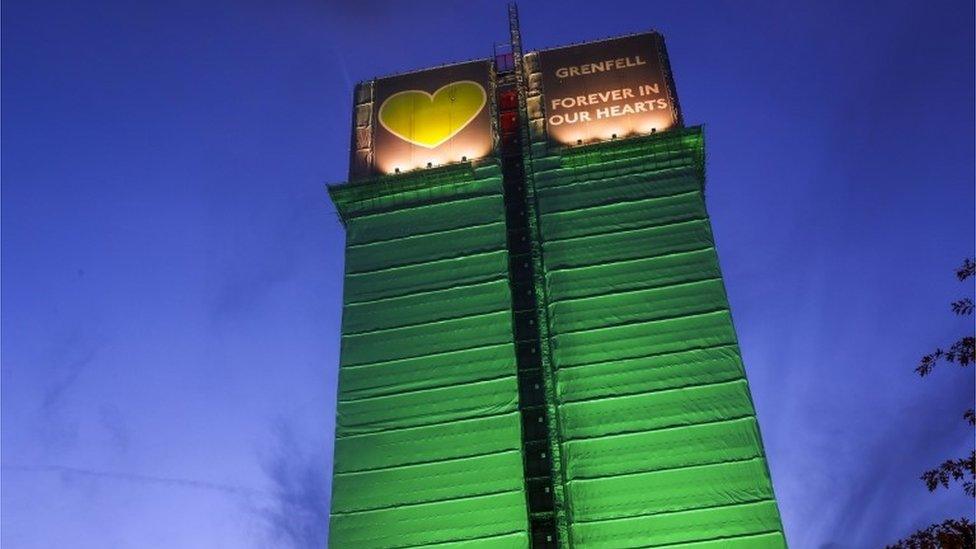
{"type": "Point", "coordinates": [952, 533]}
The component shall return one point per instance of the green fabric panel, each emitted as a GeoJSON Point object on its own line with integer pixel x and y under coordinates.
{"type": "Point", "coordinates": [426, 339]}
{"type": "Point", "coordinates": [424, 277]}
{"type": "Point", "coordinates": [424, 248]}
{"type": "Point", "coordinates": [484, 398]}
{"type": "Point", "coordinates": [427, 372]}
{"type": "Point", "coordinates": [518, 540]}
{"type": "Point", "coordinates": [678, 141]}
{"type": "Point", "coordinates": [428, 482]}
{"type": "Point", "coordinates": [733, 440]}
{"type": "Point", "coordinates": [430, 443]}
{"type": "Point", "coordinates": [673, 165]}
{"type": "Point", "coordinates": [579, 164]}
{"type": "Point", "coordinates": [430, 523]}
{"type": "Point", "coordinates": [654, 410]}
{"type": "Point", "coordinates": [427, 386]}
{"type": "Point", "coordinates": [623, 216]}
{"type": "Point", "coordinates": [620, 246]}
{"type": "Point", "coordinates": [409, 190]}
{"type": "Point", "coordinates": [722, 523]}
{"type": "Point", "coordinates": [442, 216]}
{"type": "Point", "coordinates": [568, 170]}
{"type": "Point", "coordinates": [651, 338]}
{"type": "Point", "coordinates": [573, 195]}
{"type": "Point", "coordinates": [772, 540]}
{"type": "Point", "coordinates": [652, 373]}
{"type": "Point", "coordinates": [669, 491]}
{"type": "Point", "coordinates": [643, 412]}
{"type": "Point", "coordinates": [638, 306]}
{"type": "Point", "coordinates": [635, 274]}
{"type": "Point", "coordinates": [476, 299]}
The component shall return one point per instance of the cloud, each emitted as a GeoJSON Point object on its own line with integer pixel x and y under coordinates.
{"type": "Point", "coordinates": [111, 419]}
{"type": "Point", "coordinates": [878, 501]}
{"type": "Point", "coordinates": [70, 359]}
{"type": "Point", "coordinates": [299, 514]}
{"type": "Point", "coordinates": [69, 474]}
{"type": "Point", "coordinates": [262, 257]}
{"type": "Point", "coordinates": [65, 378]}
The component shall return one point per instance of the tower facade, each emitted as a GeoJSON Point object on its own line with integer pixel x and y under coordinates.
{"type": "Point", "coordinates": [537, 348]}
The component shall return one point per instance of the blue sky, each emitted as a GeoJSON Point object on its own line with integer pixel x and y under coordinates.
{"type": "Point", "coordinates": [171, 265]}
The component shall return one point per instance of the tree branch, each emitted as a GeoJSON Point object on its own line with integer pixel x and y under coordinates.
{"type": "Point", "coordinates": [967, 270]}
{"type": "Point", "coordinates": [963, 306]}
{"type": "Point", "coordinates": [963, 469]}
{"type": "Point", "coordinates": [951, 534]}
{"type": "Point", "coordinates": [962, 352]}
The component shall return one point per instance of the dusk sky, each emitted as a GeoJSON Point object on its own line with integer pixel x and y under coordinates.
{"type": "Point", "coordinates": [172, 265]}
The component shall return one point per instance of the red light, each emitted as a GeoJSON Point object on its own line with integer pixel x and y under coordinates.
{"type": "Point", "coordinates": [509, 122]}
{"type": "Point", "coordinates": [507, 100]}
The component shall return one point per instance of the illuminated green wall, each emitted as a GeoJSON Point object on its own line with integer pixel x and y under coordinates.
{"type": "Point", "coordinates": [427, 443]}
{"type": "Point", "coordinates": [658, 439]}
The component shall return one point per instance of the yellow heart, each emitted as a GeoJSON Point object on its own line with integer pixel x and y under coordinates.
{"type": "Point", "coordinates": [429, 120]}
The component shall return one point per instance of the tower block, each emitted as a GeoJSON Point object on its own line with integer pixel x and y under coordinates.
{"type": "Point", "coordinates": [537, 347]}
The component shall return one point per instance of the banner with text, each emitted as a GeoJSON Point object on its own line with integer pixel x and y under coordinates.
{"type": "Point", "coordinates": [619, 87]}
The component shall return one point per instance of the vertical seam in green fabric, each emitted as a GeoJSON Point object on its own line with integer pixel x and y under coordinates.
{"type": "Point", "coordinates": [560, 493]}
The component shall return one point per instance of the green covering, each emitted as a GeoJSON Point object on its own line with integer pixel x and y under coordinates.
{"type": "Point", "coordinates": [656, 438]}
{"type": "Point", "coordinates": [658, 433]}
{"type": "Point", "coordinates": [428, 436]}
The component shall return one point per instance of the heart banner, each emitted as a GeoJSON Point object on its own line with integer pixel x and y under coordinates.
{"type": "Point", "coordinates": [428, 120]}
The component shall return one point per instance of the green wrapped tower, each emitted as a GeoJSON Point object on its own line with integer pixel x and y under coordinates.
{"type": "Point", "coordinates": [537, 348]}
